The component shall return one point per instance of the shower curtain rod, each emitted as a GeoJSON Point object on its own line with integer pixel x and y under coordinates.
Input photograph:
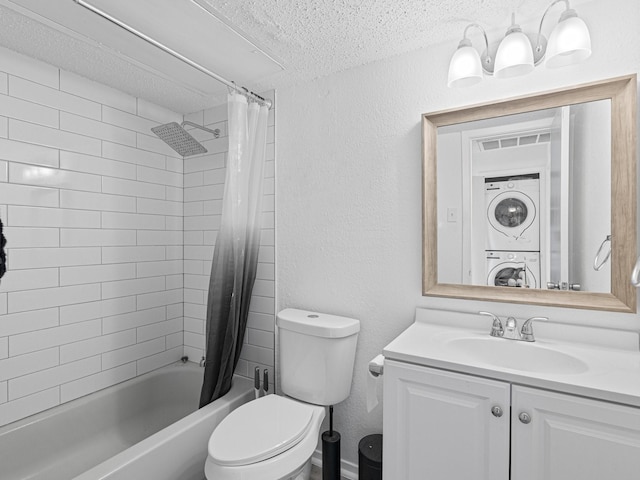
{"type": "Point", "coordinates": [173, 53]}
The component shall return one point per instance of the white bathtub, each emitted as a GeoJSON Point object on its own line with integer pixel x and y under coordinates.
{"type": "Point", "coordinates": [146, 428]}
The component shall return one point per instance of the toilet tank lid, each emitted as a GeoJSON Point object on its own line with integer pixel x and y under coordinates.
{"type": "Point", "coordinates": [317, 324]}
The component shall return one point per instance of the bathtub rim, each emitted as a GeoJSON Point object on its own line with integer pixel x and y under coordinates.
{"type": "Point", "coordinates": [241, 392]}
{"type": "Point", "coordinates": [76, 402]}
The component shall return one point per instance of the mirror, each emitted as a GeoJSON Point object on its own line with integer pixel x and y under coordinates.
{"type": "Point", "coordinates": [524, 199]}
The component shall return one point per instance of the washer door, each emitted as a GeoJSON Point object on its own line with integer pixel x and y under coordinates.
{"type": "Point", "coordinates": [511, 213]}
{"type": "Point", "coordinates": [512, 274]}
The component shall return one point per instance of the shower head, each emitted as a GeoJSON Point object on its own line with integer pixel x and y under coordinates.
{"type": "Point", "coordinates": [174, 135]}
{"type": "Point", "coordinates": [179, 139]}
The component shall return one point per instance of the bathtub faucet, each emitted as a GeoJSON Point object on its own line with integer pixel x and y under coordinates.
{"type": "Point", "coordinates": [203, 361]}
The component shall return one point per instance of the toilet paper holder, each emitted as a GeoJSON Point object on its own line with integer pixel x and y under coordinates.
{"type": "Point", "coordinates": [376, 366]}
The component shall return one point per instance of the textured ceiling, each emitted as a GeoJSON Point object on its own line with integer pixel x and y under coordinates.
{"type": "Point", "coordinates": [316, 38]}
{"type": "Point", "coordinates": [313, 38]}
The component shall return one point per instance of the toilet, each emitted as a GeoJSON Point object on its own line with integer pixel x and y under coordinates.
{"type": "Point", "coordinates": [274, 437]}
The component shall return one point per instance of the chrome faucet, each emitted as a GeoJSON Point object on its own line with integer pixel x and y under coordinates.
{"type": "Point", "coordinates": [497, 330]}
{"type": "Point", "coordinates": [526, 332]}
{"type": "Point", "coordinates": [510, 329]}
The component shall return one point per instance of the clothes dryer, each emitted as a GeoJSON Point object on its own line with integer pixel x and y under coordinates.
{"type": "Point", "coordinates": [513, 213]}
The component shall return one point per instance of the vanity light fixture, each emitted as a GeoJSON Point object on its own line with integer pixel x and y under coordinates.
{"type": "Point", "coordinates": [518, 53]}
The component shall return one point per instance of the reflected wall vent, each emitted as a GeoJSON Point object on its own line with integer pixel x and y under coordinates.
{"type": "Point", "coordinates": [510, 142]}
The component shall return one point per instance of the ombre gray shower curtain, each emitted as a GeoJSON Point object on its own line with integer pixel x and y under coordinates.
{"type": "Point", "coordinates": [235, 257]}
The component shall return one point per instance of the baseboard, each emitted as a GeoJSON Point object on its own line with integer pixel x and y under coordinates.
{"type": "Point", "coordinates": [348, 470]}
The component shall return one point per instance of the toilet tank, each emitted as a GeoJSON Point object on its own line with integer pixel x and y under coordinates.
{"type": "Point", "coordinates": [317, 352]}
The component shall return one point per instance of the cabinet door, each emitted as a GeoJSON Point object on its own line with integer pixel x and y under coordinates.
{"type": "Point", "coordinates": [439, 425]}
{"type": "Point", "coordinates": [571, 437]}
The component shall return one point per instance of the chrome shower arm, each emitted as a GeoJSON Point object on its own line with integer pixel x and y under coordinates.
{"type": "Point", "coordinates": [215, 133]}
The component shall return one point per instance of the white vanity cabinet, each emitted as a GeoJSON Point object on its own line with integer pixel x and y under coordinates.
{"type": "Point", "coordinates": [441, 425]}
{"type": "Point", "coordinates": [571, 437]}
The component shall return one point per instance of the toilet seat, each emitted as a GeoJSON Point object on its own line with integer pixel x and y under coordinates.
{"type": "Point", "coordinates": [260, 429]}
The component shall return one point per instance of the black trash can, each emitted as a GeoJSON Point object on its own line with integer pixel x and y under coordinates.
{"type": "Point", "coordinates": [370, 457]}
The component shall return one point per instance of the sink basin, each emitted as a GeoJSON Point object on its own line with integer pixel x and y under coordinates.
{"type": "Point", "coordinates": [516, 355]}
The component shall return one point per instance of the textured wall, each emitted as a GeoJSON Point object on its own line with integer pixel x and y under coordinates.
{"type": "Point", "coordinates": [349, 189]}
{"type": "Point", "coordinates": [92, 201]}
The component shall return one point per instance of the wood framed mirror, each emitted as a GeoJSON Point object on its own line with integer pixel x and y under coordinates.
{"type": "Point", "coordinates": [579, 186]}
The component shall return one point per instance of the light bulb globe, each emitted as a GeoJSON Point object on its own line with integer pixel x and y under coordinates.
{"type": "Point", "coordinates": [514, 56]}
{"type": "Point", "coordinates": [465, 68]}
{"type": "Point", "coordinates": [569, 43]}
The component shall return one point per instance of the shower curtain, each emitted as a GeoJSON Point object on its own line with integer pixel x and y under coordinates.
{"type": "Point", "coordinates": [3, 256]}
{"type": "Point", "coordinates": [235, 257]}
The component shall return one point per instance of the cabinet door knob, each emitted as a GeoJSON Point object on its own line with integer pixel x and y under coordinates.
{"type": "Point", "coordinates": [525, 418]}
{"type": "Point", "coordinates": [496, 411]}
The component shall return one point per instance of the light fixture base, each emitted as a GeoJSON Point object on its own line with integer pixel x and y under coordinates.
{"type": "Point", "coordinates": [488, 59]}
{"type": "Point", "coordinates": [539, 45]}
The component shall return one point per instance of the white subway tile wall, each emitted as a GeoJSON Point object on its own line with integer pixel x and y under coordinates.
{"type": "Point", "coordinates": [204, 178]}
{"type": "Point", "coordinates": [93, 211]}
{"type": "Point", "coordinates": [110, 239]}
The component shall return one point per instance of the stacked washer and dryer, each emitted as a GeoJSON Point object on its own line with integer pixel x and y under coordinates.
{"type": "Point", "coordinates": [513, 230]}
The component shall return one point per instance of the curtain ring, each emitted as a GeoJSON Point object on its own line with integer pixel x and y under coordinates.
{"type": "Point", "coordinates": [597, 262]}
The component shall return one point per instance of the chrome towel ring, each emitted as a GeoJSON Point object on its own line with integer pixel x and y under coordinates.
{"type": "Point", "coordinates": [599, 262]}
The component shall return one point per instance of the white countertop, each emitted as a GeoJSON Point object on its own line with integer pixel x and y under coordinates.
{"type": "Point", "coordinates": [612, 358]}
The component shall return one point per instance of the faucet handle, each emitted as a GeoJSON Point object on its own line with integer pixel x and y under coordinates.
{"type": "Point", "coordinates": [527, 328]}
{"type": "Point", "coordinates": [497, 330]}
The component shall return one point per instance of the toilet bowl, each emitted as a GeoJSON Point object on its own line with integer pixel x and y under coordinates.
{"type": "Point", "coordinates": [270, 438]}
{"type": "Point", "coordinates": [274, 437]}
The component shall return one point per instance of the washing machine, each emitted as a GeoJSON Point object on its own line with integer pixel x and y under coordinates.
{"type": "Point", "coordinates": [513, 269]}
{"type": "Point", "coordinates": [513, 213]}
